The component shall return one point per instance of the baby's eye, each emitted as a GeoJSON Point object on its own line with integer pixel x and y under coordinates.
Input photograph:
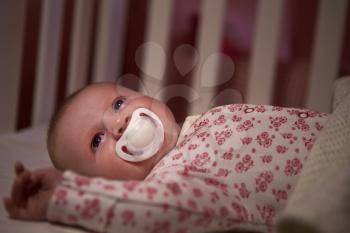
{"type": "Point", "coordinates": [118, 104]}
{"type": "Point", "coordinates": [97, 139]}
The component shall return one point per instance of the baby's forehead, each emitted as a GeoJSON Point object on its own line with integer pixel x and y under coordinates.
{"type": "Point", "coordinates": [91, 99]}
{"type": "Point", "coordinates": [99, 88]}
{"type": "Point", "coordinates": [99, 91]}
{"type": "Point", "coordinates": [106, 89]}
{"type": "Point", "coordinates": [95, 95]}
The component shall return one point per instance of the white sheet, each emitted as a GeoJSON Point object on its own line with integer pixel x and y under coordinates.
{"type": "Point", "coordinates": [29, 147]}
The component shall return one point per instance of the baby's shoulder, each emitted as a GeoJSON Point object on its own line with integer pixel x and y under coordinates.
{"type": "Point", "coordinates": [248, 110]}
{"type": "Point", "coordinates": [244, 117]}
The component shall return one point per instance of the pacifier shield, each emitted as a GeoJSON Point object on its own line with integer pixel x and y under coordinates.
{"type": "Point", "coordinates": [142, 138]}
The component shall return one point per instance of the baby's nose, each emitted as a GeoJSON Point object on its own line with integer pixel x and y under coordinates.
{"type": "Point", "coordinates": [116, 125]}
{"type": "Point", "coordinates": [119, 130]}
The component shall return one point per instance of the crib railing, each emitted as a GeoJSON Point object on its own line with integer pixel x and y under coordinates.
{"type": "Point", "coordinates": [81, 41]}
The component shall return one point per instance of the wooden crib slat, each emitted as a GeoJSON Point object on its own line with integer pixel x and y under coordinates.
{"type": "Point", "coordinates": [326, 54]}
{"type": "Point", "coordinates": [263, 65]}
{"type": "Point", "coordinates": [45, 85]}
{"type": "Point", "coordinates": [208, 42]}
{"type": "Point", "coordinates": [12, 16]}
{"type": "Point", "coordinates": [80, 48]}
{"type": "Point", "coordinates": [29, 63]}
{"type": "Point", "coordinates": [153, 61]}
{"type": "Point", "coordinates": [110, 40]}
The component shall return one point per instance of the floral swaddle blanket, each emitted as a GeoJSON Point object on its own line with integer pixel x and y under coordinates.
{"type": "Point", "coordinates": [234, 168]}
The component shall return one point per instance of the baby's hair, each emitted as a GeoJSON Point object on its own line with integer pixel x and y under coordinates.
{"type": "Point", "coordinates": [53, 126]}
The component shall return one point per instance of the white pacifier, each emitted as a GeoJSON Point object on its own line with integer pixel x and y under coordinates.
{"type": "Point", "coordinates": [142, 138]}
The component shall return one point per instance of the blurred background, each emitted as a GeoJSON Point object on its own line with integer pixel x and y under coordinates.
{"type": "Point", "coordinates": [192, 54]}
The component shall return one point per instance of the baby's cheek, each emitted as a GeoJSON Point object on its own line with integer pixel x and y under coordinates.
{"type": "Point", "coordinates": [110, 165]}
{"type": "Point", "coordinates": [105, 157]}
{"type": "Point", "coordinates": [152, 104]}
{"type": "Point", "coordinates": [142, 101]}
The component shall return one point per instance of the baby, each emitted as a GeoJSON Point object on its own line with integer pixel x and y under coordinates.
{"type": "Point", "coordinates": [234, 167]}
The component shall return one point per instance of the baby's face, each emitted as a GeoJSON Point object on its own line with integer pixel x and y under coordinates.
{"type": "Point", "coordinates": [93, 122]}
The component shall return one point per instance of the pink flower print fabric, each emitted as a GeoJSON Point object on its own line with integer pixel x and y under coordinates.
{"type": "Point", "coordinates": [235, 168]}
